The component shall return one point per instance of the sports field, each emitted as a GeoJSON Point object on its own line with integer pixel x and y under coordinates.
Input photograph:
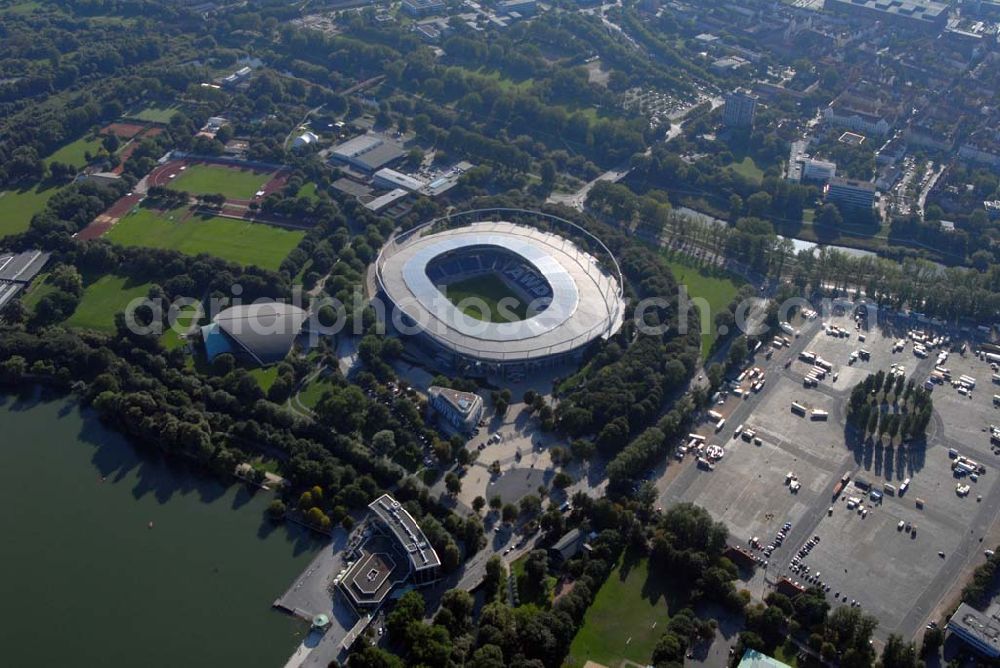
{"type": "Point", "coordinates": [712, 285]}
{"type": "Point", "coordinates": [619, 624]}
{"type": "Point", "coordinates": [490, 289]}
{"type": "Point", "coordinates": [18, 206]}
{"type": "Point", "coordinates": [234, 240]}
{"type": "Point", "coordinates": [73, 153]}
{"type": "Point", "coordinates": [102, 299]}
{"type": "Point", "coordinates": [211, 179]}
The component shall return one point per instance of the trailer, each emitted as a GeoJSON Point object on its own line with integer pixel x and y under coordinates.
{"type": "Point", "coordinates": [838, 488]}
{"type": "Point", "coordinates": [715, 415]}
{"type": "Point", "coordinates": [807, 356]}
{"type": "Point", "coordinates": [798, 408]}
{"type": "Point", "coordinates": [822, 363]}
{"type": "Point", "coordinates": [818, 414]}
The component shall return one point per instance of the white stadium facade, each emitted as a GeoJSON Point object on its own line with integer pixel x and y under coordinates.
{"type": "Point", "coordinates": [575, 297]}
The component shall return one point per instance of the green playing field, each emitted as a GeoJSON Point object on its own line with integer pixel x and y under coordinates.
{"type": "Point", "coordinates": [487, 298]}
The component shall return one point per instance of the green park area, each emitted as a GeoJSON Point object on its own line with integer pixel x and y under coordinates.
{"type": "Point", "coordinates": [212, 179]}
{"type": "Point", "coordinates": [715, 286]}
{"type": "Point", "coordinates": [234, 240]}
{"type": "Point", "coordinates": [488, 290]}
{"type": "Point", "coordinates": [154, 114]}
{"type": "Point", "coordinates": [74, 152]}
{"type": "Point", "coordinates": [620, 624]}
{"type": "Point", "coordinates": [18, 206]}
{"type": "Point", "coordinates": [748, 169]}
{"type": "Point", "coordinates": [102, 299]}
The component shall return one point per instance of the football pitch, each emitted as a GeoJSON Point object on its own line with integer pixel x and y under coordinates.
{"type": "Point", "coordinates": [621, 624]}
{"type": "Point", "coordinates": [234, 183]}
{"type": "Point", "coordinates": [238, 241]}
{"type": "Point", "coordinates": [479, 297]}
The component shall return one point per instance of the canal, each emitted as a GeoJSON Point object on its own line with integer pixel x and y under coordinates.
{"type": "Point", "coordinates": [85, 581]}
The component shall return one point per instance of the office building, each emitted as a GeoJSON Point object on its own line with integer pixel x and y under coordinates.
{"type": "Point", "coordinates": [979, 630]}
{"type": "Point", "coordinates": [418, 8]}
{"type": "Point", "coordinates": [850, 194]}
{"type": "Point", "coordinates": [740, 109]}
{"type": "Point", "coordinates": [463, 410]}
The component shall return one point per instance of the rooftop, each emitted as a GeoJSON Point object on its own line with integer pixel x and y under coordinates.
{"type": "Point", "coordinates": [463, 402]}
{"type": "Point", "coordinates": [981, 627]}
{"type": "Point", "coordinates": [407, 532]}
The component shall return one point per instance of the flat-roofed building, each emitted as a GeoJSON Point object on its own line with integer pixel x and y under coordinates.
{"type": "Point", "coordinates": [368, 152]}
{"type": "Point", "coordinates": [740, 109]}
{"type": "Point", "coordinates": [916, 14]}
{"type": "Point", "coordinates": [980, 630]}
{"type": "Point", "coordinates": [419, 8]}
{"type": "Point", "coordinates": [463, 410]}
{"type": "Point", "coordinates": [390, 178]}
{"type": "Point", "coordinates": [385, 201]}
{"type": "Point", "coordinates": [851, 193]}
{"type": "Point", "coordinates": [393, 519]}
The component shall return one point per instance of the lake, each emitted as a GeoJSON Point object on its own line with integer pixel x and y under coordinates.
{"type": "Point", "coordinates": [85, 581]}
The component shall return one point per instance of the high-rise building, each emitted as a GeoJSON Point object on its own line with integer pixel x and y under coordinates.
{"type": "Point", "coordinates": [740, 110]}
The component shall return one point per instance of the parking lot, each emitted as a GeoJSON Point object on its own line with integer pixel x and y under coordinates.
{"type": "Point", "coordinates": [898, 573]}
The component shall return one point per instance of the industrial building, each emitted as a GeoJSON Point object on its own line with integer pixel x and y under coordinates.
{"type": "Point", "coordinates": [740, 109]}
{"type": "Point", "coordinates": [369, 152]}
{"type": "Point", "coordinates": [462, 410]}
{"type": "Point", "coordinates": [261, 334]}
{"type": "Point", "coordinates": [851, 193]}
{"type": "Point", "coordinates": [980, 630]}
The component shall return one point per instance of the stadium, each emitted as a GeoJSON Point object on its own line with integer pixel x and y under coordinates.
{"type": "Point", "coordinates": [500, 297]}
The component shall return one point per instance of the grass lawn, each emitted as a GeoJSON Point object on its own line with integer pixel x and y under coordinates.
{"type": "Point", "coordinates": [155, 114]}
{"type": "Point", "coordinates": [716, 287]}
{"type": "Point", "coordinates": [314, 391]}
{"type": "Point", "coordinates": [72, 153]}
{"type": "Point", "coordinates": [265, 377]}
{"type": "Point", "coordinates": [38, 289]}
{"type": "Point", "coordinates": [234, 240]}
{"type": "Point", "coordinates": [619, 624]}
{"type": "Point", "coordinates": [307, 190]}
{"type": "Point", "coordinates": [18, 206]}
{"type": "Point", "coordinates": [490, 289]}
{"type": "Point", "coordinates": [172, 337]}
{"type": "Point", "coordinates": [102, 299]}
{"type": "Point", "coordinates": [748, 169]}
{"type": "Point", "coordinates": [212, 179]}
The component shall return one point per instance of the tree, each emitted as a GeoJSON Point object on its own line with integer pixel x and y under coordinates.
{"type": "Point", "coordinates": [409, 608]}
{"type": "Point", "coordinates": [478, 504]}
{"type": "Point", "coordinates": [548, 174]}
{"type": "Point", "coordinates": [562, 480]}
{"type": "Point", "coordinates": [509, 513]}
{"type": "Point", "coordinates": [452, 483]}
{"type": "Point", "coordinates": [530, 504]}
{"type": "Point", "coordinates": [898, 654]}
{"type": "Point", "coordinates": [384, 442]}
{"type": "Point", "coordinates": [496, 503]}
{"type": "Point", "coordinates": [276, 510]}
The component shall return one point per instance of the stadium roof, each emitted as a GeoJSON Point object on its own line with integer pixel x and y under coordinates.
{"type": "Point", "coordinates": [264, 332]}
{"type": "Point", "coordinates": [586, 301]}
{"type": "Point", "coordinates": [406, 531]}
